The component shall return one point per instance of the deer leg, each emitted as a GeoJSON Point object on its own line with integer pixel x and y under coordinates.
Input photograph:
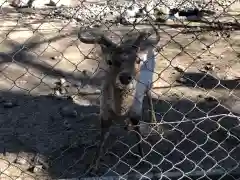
{"type": "Point", "coordinates": [152, 113]}
{"type": "Point", "coordinates": [105, 126]}
{"type": "Point", "coordinates": [135, 123]}
{"type": "Point", "coordinates": [153, 120]}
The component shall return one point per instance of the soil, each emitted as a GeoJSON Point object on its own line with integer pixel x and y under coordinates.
{"type": "Point", "coordinates": [46, 136]}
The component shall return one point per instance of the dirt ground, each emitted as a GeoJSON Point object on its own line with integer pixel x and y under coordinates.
{"type": "Point", "coordinates": [48, 137]}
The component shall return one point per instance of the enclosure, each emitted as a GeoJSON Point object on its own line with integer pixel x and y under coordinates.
{"type": "Point", "coordinates": [50, 88]}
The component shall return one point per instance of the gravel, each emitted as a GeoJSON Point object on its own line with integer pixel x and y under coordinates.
{"type": "Point", "coordinates": [99, 13]}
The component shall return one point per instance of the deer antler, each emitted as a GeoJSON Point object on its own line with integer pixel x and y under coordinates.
{"type": "Point", "coordinates": [94, 38]}
{"type": "Point", "coordinates": [145, 35]}
{"type": "Point", "coordinates": [139, 39]}
{"type": "Point", "coordinates": [157, 32]}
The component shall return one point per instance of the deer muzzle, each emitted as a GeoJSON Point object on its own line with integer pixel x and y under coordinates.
{"type": "Point", "coordinates": [125, 78]}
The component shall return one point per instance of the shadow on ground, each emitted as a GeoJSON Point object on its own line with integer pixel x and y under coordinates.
{"type": "Point", "coordinates": [206, 81]}
{"type": "Point", "coordinates": [24, 56]}
{"type": "Point", "coordinates": [60, 135]}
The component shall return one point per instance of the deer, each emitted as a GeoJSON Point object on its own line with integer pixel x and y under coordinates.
{"type": "Point", "coordinates": [119, 82]}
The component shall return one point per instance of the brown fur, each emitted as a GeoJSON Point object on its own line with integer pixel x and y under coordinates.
{"type": "Point", "coordinates": [116, 98]}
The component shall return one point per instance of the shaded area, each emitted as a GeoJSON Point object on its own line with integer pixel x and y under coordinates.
{"type": "Point", "coordinates": [61, 131]}
{"type": "Point", "coordinates": [45, 126]}
{"type": "Point", "coordinates": [206, 81]}
{"type": "Point", "coordinates": [62, 135]}
{"type": "Point", "coordinates": [21, 54]}
{"type": "Point", "coordinates": [209, 22]}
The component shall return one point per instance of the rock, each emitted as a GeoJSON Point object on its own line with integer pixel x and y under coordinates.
{"type": "Point", "coordinates": [62, 80]}
{"type": "Point", "coordinates": [25, 176]}
{"type": "Point", "coordinates": [9, 104]}
{"type": "Point", "coordinates": [55, 117]}
{"type": "Point", "coordinates": [52, 3]}
{"type": "Point", "coordinates": [2, 100]}
{"type": "Point", "coordinates": [68, 112]}
{"type": "Point", "coordinates": [66, 124]}
{"type": "Point", "coordinates": [12, 171]}
{"type": "Point", "coordinates": [232, 104]}
{"type": "Point", "coordinates": [40, 3]}
{"type": "Point", "coordinates": [21, 161]}
{"type": "Point", "coordinates": [38, 169]}
{"type": "Point", "coordinates": [181, 80]}
{"type": "Point", "coordinates": [60, 87]}
{"type": "Point", "coordinates": [211, 100]}
{"type": "Point", "coordinates": [179, 69]}
{"type": "Point", "coordinates": [24, 160]}
{"type": "Point", "coordinates": [4, 165]}
{"type": "Point", "coordinates": [11, 157]}
{"type": "Point", "coordinates": [81, 101]}
{"type": "Point", "coordinates": [209, 67]}
{"type": "Point", "coordinates": [18, 3]}
{"type": "Point", "coordinates": [200, 96]}
{"type": "Point", "coordinates": [41, 160]}
{"type": "Point", "coordinates": [4, 3]}
{"type": "Point", "coordinates": [5, 177]}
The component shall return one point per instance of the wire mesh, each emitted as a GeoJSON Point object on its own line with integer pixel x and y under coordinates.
{"type": "Point", "coordinates": [50, 90]}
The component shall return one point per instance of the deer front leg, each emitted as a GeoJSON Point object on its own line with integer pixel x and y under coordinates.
{"type": "Point", "coordinates": [153, 120]}
{"type": "Point", "coordinates": [105, 127]}
{"type": "Point", "coordinates": [135, 123]}
{"type": "Point", "coordinates": [105, 117]}
{"type": "Point", "coordinates": [152, 113]}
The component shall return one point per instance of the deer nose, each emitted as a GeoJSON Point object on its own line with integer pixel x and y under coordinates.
{"type": "Point", "coordinates": [125, 78]}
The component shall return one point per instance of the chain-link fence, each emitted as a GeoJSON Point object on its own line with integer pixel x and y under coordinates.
{"type": "Point", "coordinates": [50, 90]}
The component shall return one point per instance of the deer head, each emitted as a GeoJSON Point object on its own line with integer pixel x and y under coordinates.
{"type": "Point", "coordinates": [123, 58]}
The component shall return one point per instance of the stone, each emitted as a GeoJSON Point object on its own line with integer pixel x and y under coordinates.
{"type": "Point", "coordinates": [26, 177]}
{"type": "Point", "coordinates": [41, 160]}
{"type": "Point", "coordinates": [11, 157]}
{"type": "Point", "coordinates": [24, 160]}
{"type": "Point", "coordinates": [21, 161]}
{"type": "Point", "coordinates": [68, 112]}
{"type": "Point", "coordinates": [38, 169]}
{"type": "Point", "coordinates": [9, 104]}
{"type": "Point", "coordinates": [4, 165]}
{"type": "Point", "coordinates": [13, 171]}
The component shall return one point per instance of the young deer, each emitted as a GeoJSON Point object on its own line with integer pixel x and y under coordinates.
{"type": "Point", "coordinates": [118, 86]}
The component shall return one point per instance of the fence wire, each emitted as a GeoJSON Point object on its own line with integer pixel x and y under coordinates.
{"type": "Point", "coordinates": [50, 90]}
